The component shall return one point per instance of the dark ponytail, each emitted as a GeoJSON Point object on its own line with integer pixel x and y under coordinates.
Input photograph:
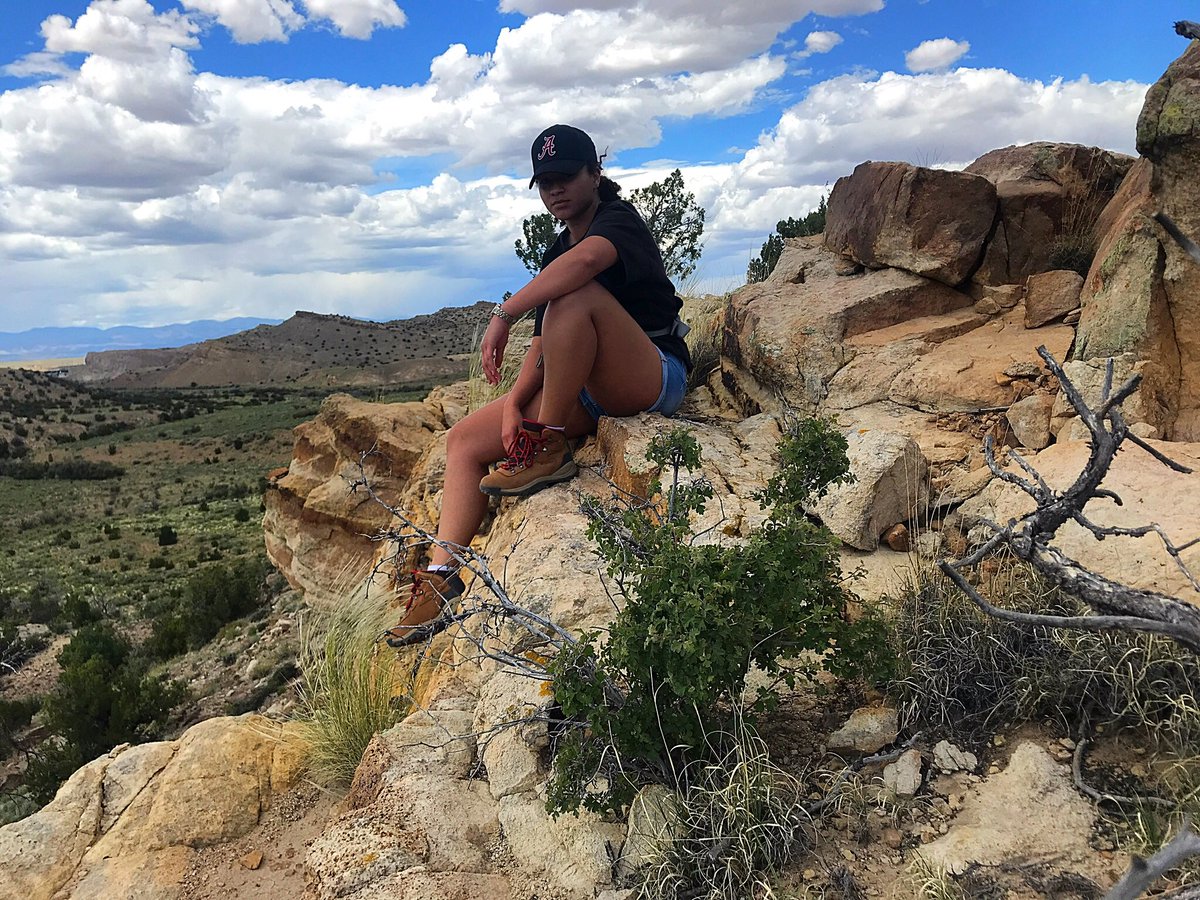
{"type": "Point", "coordinates": [609, 189]}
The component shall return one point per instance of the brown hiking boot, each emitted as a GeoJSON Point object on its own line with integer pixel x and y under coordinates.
{"type": "Point", "coordinates": [539, 457]}
{"type": "Point", "coordinates": [430, 608]}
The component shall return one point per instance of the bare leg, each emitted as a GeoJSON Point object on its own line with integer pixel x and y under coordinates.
{"type": "Point", "coordinates": [471, 446]}
{"type": "Point", "coordinates": [589, 339]}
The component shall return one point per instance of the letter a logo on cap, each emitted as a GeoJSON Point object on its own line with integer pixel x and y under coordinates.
{"type": "Point", "coordinates": [547, 148]}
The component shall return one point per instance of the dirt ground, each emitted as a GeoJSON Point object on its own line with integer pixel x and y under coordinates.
{"type": "Point", "coordinates": [269, 861]}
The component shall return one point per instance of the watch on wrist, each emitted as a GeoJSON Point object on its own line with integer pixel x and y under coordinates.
{"type": "Point", "coordinates": [498, 312]}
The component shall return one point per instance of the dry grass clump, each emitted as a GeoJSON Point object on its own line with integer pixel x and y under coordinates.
{"type": "Point", "coordinates": [706, 316]}
{"type": "Point", "coordinates": [348, 689]}
{"type": "Point", "coordinates": [964, 671]}
{"type": "Point", "coordinates": [736, 821]}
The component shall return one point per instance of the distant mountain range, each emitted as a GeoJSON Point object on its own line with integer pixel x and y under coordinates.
{"type": "Point", "coordinates": [67, 343]}
{"type": "Point", "coordinates": [309, 350]}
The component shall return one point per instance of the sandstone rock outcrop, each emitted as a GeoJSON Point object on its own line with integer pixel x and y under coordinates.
{"type": "Point", "coordinates": [318, 532]}
{"type": "Point", "coordinates": [908, 365]}
{"type": "Point", "coordinates": [1140, 300]}
{"type": "Point", "coordinates": [929, 222]}
{"type": "Point", "coordinates": [125, 824]}
{"type": "Point", "coordinates": [1046, 192]}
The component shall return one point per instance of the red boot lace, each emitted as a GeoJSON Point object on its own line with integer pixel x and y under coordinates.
{"type": "Point", "coordinates": [416, 589]}
{"type": "Point", "coordinates": [522, 451]}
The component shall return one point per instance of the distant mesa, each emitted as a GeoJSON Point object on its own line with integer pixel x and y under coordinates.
{"type": "Point", "coordinates": [315, 350]}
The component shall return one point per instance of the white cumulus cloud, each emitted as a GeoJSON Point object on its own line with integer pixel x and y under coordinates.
{"type": "Point", "coordinates": [122, 29]}
{"type": "Point", "coordinates": [357, 18]}
{"type": "Point", "coordinates": [251, 21]}
{"type": "Point", "coordinates": [930, 56]}
{"type": "Point", "coordinates": [819, 42]}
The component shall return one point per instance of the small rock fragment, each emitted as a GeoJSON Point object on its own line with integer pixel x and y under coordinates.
{"type": "Point", "coordinates": [897, 538]}
{"type": "Point", "coordinates": [252, 860]}
{"type": "Point", "coordinates": [949, 758]}
{"type": "Point", "coordinates": [903, 777]}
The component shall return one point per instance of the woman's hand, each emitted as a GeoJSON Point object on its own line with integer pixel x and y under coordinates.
{"type": "Point", "coordinates": [511, 424]}
{"type": "Point", "coordinates": [495, 339]}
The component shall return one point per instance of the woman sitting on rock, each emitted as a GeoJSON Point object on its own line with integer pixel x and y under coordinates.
{"type": "Point", "coordinates": [607, 342]}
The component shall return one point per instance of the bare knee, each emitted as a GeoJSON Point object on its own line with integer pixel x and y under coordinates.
{"type": "Point", "coordinates": [471, 440]}
{"type": "Point", "coordinates": [576, 305]}
{"type": "Point", "coordinates": [460, 439]}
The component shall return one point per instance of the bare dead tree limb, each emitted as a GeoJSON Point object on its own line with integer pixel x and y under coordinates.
{"type": "Point", "coordinates": [1029, 538]}
{"type": "Point", "coordinates": [1188, 245]}
{"type": "Point", "coordinates": [1144, 872]}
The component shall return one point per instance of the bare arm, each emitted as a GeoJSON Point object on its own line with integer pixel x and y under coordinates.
{"type": "Point", "coordinates": [569, 272]}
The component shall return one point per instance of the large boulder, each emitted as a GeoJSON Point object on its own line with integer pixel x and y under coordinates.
{"type": "Point", "coordinates": [930, 222]}
{"type": "Point", "coordinates": [891, 485]}
{"type": "Point", "coordinates": [125, 824]}
{"type": "Point", "coordinates": [788, 335]}
{"type": "Point", "coordinates": [1168, 134]}
{"type": "Point", "coordinates": [1142, 295]}
{"type": "Point", "coordinates": [1126, 312]}
{"type": "Point", "coordinates": [1047, 193]}
{"type": "Point", "coordinates": [1050, 296]}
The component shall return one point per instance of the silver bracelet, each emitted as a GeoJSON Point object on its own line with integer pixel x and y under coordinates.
{"type": "Point", "coordinates": [498, 312]}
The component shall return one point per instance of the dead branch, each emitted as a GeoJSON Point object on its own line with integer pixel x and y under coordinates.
{"type": "Point", "coordinates": [1144, 872]}
{"type": "Point", "coordinates": [1116, 606]}
{"type": "Point", "coordinates": [1029, 538]}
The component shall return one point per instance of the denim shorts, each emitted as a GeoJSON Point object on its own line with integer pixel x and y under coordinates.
{"type": "Point", "coordinates": [674, 386]}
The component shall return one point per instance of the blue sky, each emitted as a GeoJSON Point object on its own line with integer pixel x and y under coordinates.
{"type": "Point", "coordinates": [170, 161]}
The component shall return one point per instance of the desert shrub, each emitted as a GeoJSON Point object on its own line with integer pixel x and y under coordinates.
{"type": "Point", "coordinates": [697, 616]}
{"type": "Point", "coordinates": [278, 680]}
{"type": "Point", "coordinates": [66, 470]}
{"type": "Point", "coordinates": [104, 696]}
{"type": "Point", "coordinates": [1074, 251]}
{"type": "Point", "coordinates": [212, 598]}
{"type": "Point", "coordinates": [79, 611]}
{"type": "Point", "coordinates": [347, 691]}
{"type": "Point", "coordinates": [167, 536]}
{"type": "Point", "coordinates": [735, 820]}
{"type": "Point", "coordinates": [16, 650]}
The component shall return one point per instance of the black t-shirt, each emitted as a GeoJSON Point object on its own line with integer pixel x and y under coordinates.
{"type": "Point", "coordinates": [637, 279]}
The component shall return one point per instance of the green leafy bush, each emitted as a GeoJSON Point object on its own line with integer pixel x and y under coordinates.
{"type": "Point", "coordinates": [697, 617]}
{"type": "Point", "coordinates": [212, 598]}
{"type": "Point", "coordinates": [104, 697]}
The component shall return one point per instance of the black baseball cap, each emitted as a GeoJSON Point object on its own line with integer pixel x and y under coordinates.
{"type": "Point", "coordinates": [563, 149]}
